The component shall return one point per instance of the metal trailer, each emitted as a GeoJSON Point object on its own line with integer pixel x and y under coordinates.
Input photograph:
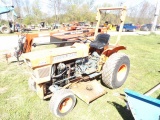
{"type": "Point", "coordinates": [144, 107]}
{"type": "Point", "coordinates": [6, 9]}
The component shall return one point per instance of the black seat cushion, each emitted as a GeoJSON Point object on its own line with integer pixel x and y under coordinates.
{"type": "Point", "coordinates": [100, 41]}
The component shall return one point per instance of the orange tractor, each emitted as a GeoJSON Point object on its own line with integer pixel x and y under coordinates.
{"type": "Point", "coordinates": [63, 72]}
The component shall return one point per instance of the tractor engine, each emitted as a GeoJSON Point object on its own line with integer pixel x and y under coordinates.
{"type": "Point", "coordinates": [63, 73]}
{"type": "Point", "coordinates": [88, 65]}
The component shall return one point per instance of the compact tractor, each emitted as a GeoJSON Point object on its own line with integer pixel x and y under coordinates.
{"type": "Point", "coordinates": [63, 72]}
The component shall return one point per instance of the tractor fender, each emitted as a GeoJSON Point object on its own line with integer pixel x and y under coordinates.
{"type": "Point", "coordinates": [110, 50]}
{"type": "Point", "coordinates": [106, 53]}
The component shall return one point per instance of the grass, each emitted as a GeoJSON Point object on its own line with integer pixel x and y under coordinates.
{"type": "Point", "coordinates": [17, 102]}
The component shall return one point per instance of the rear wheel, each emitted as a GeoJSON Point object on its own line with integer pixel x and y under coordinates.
{"type": "Point", "coordinates": [62, 102]}
{"type": "Point", "coordinates": [5, 30]}
{"type": "Point", "coordinates": [115, 70]}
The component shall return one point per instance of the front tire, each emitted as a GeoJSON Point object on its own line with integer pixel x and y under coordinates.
{"type": "Point", "coordinates": [115, 70]}
{"type": "Point", "coordinates": [62, 102]}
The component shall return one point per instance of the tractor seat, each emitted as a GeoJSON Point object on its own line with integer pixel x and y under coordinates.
{"type": "Point", "coordinates": [100, 41]}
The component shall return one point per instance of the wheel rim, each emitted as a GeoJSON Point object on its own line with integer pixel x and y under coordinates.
{"type": "Point", "coordinates": [65, 105]}
{"type": "Point", "coordinates": [121, 72]}
{"type": "Point", "coordinates": [4, 29]}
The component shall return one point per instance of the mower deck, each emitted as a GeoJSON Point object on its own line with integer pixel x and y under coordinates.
{"type": "Point", "coordinates": [88, 91]}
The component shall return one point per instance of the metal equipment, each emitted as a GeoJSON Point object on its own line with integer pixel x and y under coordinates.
{"type": "Point", "coordinates": [64, 71]}
{"type": "Point", "coordinates": [144, 107]}
{"type": "Point", "coordinates": [4, 28]}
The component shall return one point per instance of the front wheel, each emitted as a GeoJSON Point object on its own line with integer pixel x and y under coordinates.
{"type": "Point", "coordinates": [115, 70]}
{"type": "Point", "coordinates": [62, 102]}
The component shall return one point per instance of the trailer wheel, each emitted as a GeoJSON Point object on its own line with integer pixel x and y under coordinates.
{"type": "Point", "coordinates": [5, 30]}
{"type": "Point", "coordinates": [32, 84]}
{"type": "Point", "coordinates": [62, 102]}
{"type": "Point", "coordinates": [115, 70]}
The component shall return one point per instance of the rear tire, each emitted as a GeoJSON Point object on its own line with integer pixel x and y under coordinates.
{"type": "Point", "coordinates": [62, 102]}
{"type": "Point", "coordinates": [5, 30]}
{"type": "Point", "coordinates": [115, 70]}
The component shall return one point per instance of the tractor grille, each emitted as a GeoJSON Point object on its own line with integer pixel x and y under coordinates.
{"type": "Point", "coordinates": [43, 72]}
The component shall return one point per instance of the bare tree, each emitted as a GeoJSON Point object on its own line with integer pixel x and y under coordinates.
{"type": "Point", "coordinates": [141, 13]}
{"type": "Point", "coordinates": [75, 2]}
{"type": "Point", "coordinates": [56, 6]}
{"type": "Point", "coordinates": [90, 3]}
{"type": "Point", "coordinates": [18, 8]}
{"type": "Point", "coordinates": [26, 8]}
{"type": "Point", "coordinates": [36, 11]}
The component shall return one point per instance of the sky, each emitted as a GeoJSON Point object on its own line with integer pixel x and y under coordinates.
{"type": "Point", "coordinates": [128, 3]}
{"type": "Point", "coordinates": [113, 2]}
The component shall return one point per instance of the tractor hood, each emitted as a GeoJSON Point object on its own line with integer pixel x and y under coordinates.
{"type": "Point", "coordinates": [56, 55]}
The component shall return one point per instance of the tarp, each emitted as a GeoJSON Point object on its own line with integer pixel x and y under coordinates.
{"type": "Point", "coordinates": [6, 9]}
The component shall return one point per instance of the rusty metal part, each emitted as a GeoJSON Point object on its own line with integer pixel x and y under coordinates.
{"type": "Point", "coordinates": [29, 39]}
{"type": "Point", "coordinates": [28, 42]}
{"type": "Point", "coordinates": [88, 91]}
{"type": "Point", "coordinates": [48, 96]}
{"type": "Point", "coordinates": [102, 60]}
{"type": "Point", "coordinates": [48, 43]}
{"type": "Point", "coordinates": [108, 50]}
{"type": "Point", "coordinates": [6, 56]}
{"type": "Point", "coordinates": [112, 49]}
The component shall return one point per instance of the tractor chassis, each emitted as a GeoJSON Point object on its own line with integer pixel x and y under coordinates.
{"type": "Point", "coordinates": [84, 88]}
